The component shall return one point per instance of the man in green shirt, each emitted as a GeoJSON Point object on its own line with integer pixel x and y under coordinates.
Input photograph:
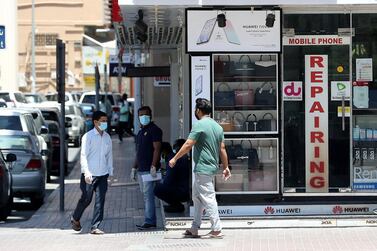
{"type": "Point", "coordinates": [208, 138]}
{"type": "Point", "coordinates": [124, 118]}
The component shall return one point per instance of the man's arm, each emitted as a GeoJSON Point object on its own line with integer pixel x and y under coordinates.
{"type": "Point", "coordinates": [156, 153]}
{"type": "Point", "coordinates": [83, 156]}
{"type": "Point", "coordinates": [224, 161]}
{"type": "Point", "coordinates": [110, 159]}
{"type": "Point", "coordinates": [185, 149]}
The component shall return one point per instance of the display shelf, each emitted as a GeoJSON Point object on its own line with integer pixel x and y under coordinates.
{"type": "Point", "coordinates": [240, 78]}
{"type": "Point", "coordinates": [364, 111]}
{"type": "Point", "coordinates": [246, 108]}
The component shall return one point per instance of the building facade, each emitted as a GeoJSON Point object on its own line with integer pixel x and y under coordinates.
{"type": "Point", "coordinates": [65, 20]}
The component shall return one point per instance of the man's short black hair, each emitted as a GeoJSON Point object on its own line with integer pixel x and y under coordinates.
{"type": "Point", "coordinates": [124, 96]}
{"type": "Point", "coordinates": [166, 148]}
{"type": "Point", "coordinates": [145, 108]}
{"type": "Point", "coordinates": [203, 105]}
{"type": "Point", "coordinates": [178, 144]}
{"type": "Point", "coordinates": [97, 115]}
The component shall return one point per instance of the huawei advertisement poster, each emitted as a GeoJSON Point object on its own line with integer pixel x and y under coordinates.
{"type": "Point", "coordinates": [233, 31]}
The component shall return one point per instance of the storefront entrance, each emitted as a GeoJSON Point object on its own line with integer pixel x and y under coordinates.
{"type": "Point", "coordinates": [316, 109]}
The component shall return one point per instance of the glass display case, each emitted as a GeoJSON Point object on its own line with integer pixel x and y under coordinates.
{"type": "Point", "coordinates": [245, 93]}
{"type": "Point", "coordinates": [254, 167]}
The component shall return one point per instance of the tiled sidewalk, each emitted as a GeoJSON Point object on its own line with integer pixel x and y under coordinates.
{"type": "Point", "coordinates": [124, 205]}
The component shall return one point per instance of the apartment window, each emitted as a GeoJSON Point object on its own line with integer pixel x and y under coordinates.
{"type": "Point", "coordinates": [46, 39]}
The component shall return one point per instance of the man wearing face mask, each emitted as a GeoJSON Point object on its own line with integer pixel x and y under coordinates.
{"type": "Point", "coordinates": [96, 161]}
{"type": "Point", "coordinates": [148, 146]}
{"type": "Point", "coordinates": [208, 138]}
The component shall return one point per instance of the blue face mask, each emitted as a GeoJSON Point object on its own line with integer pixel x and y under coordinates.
{"type": "Point", "coordinates": [103, 126]}
{"type": "Point", "coordinates": [145, 119]}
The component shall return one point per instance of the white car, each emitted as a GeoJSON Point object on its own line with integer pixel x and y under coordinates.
{"type": "Point", "coordinates": [75, 116]}
{"type": "Point", "coordinates": [113, 98]}
{"type": "Point", "coordinates": [14, 98]}
{"type": "Point", "coordinates": [69, 97]}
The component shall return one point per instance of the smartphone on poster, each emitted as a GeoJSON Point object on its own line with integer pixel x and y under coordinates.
{"type": "Point", "coordinates": [206, 32]}
{"type": "Point", "coordinates": [230, 33]}
{"type": "Point", "coordinates": [199, 85]}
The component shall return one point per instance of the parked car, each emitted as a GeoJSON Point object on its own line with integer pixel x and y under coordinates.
{"type": "Point", "coordinates": [6, 192]}
{"type": "Point", "coordinates": [52, 114]}
{"type": "Point", "coordinates": [13, 98]}
{"type": "Point", "coordinates": [29, 170]}
{"type": "Point", "coordinates": [88, 110]}
{"type": "Point", "coordinates": [113, 98]}
{"type": "Point", "coordinates": [69, 97]}
{"type": "Point", "coordinates": [27, 120]}
{"type": "Point", "coordinates": [74, 114]}
{"type": "Point", "coordinates": [3, 104]}
{"type": "Point", "coordinates": [35, 98]}
{"type": "Point", "coordinates": [42, 130]}
{"type": "Point", "coordinates": [54, 131]}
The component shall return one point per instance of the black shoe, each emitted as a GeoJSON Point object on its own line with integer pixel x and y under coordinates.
{"type": "Point", "coordinates": [174, 209]}
{"type": "Point", "coordinates": [75, 224]}
{"type": "Point", "coordinates": [146, 226]}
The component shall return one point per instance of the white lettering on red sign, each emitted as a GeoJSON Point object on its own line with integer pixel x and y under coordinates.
{"type": "Point", "coordinates": [316, 123]}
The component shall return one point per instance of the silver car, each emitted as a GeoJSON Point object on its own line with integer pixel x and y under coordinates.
{"type": "Point", "coordinates": [76, 118]}
{"type": "Point", "coordinates": [29, 170]}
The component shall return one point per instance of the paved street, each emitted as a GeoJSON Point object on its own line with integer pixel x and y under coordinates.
{"type": "Point", "coordinates": [48, 229]}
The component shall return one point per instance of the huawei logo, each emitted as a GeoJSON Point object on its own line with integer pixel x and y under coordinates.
{"type": "Point", "coordinates": [337, 210]}
{"type": "Point", "coordinates": [269, 210]}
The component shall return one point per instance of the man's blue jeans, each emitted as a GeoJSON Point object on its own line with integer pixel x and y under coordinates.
{"type": "Point", "coordinates": [147, 189]}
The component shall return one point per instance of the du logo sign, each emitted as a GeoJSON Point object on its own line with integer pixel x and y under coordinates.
{"type": "Point", "coordinates": [2, 37]}
{"type": "Point", "coordinates": [292, 91]}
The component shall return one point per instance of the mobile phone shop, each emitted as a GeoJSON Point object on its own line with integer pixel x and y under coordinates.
{"type": "Point", "coordinates": [295, 94]}
{"type": "Point", "coordinates": [293, 87]}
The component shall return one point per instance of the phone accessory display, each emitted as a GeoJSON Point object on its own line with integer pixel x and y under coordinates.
{"type": "Point", "coordinates": [207, 30]}
{"type": "Point", "coordinates": [199, 85]}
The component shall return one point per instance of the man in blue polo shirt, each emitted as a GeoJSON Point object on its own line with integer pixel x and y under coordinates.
{"type": "Point", "coordinates": [148, 147]}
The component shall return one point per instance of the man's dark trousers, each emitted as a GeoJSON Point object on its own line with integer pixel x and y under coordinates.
{"type": "Point", "coordinates": [172, 195]}
{"type": "Point", "coordinates": [99, 186]}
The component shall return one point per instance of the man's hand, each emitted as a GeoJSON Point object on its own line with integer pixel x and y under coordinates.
{"type": "Point", "coordinates": [153, 171]}
{"type": "Point", "coordinates": [226, 174]}
{"type": "Point", "coordinates": [88, 178]}
{"type": "Point", "coordinates": [172, 162]}
{"type": "Point", "coordinates": [133, 174]}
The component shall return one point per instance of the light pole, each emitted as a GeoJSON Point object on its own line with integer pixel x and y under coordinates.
{"type": "Point", "coordinates": [33, 46]}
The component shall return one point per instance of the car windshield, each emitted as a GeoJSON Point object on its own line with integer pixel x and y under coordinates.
{"type": "Point", "coordinates": [53, 128]}
{"type": "Point", "coordinates": [15, 142]}
{"type": "Point", "coordinates": [34, 98]}
{"type": "Point", "coordinates": [54, 97]}
{"type": "Point", "coordinates": [5, 96]}
{"type": "Point", "coordinates": [10, 123]}
{"type": "Point", "coordinates": [91, 99]}
{"type": "Point", "coordinates": [20, 98]}
{"type": "Point", "coordinates": [69, 110]}
{"type": "Point", "coordinates": [50, 115]}
{"type": "Point", "coordinates": [87, 109]}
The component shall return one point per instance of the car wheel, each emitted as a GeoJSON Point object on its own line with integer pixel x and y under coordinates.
{"type": "Point", "coordinates": [7, 209]}
{"type": "Point", "coordinates": [37, 201]}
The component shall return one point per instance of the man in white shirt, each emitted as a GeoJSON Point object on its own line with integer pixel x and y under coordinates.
{"type": "Point", "coordinates": [96, 166]}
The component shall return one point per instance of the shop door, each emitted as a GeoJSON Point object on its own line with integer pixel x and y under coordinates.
{"type": "Point", "coordinates": [316, 122]}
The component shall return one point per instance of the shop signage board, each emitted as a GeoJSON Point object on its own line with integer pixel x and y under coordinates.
{"type": "Point", "coordinates": [313, 40]}
{"type": "Point", "coordinates": [340, 89]}
{"type": "Point", "coordinates": [365, 177]}
{"type": "Point", "coordinates": [163, 81]}
{"type": "Point", "coordinates": [295, 210]}
{"type": "Point", "coordinates": [292, 90]}
{"type": "Point", "coordinates": [316, 123]}
{"type": "Point", "coordinates": [200, 81]}
{"type": "Point", "coordinates": [245, 31]}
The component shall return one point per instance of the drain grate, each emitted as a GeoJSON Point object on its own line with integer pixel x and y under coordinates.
{"type": "Point", "coordinates": [180, 245]}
